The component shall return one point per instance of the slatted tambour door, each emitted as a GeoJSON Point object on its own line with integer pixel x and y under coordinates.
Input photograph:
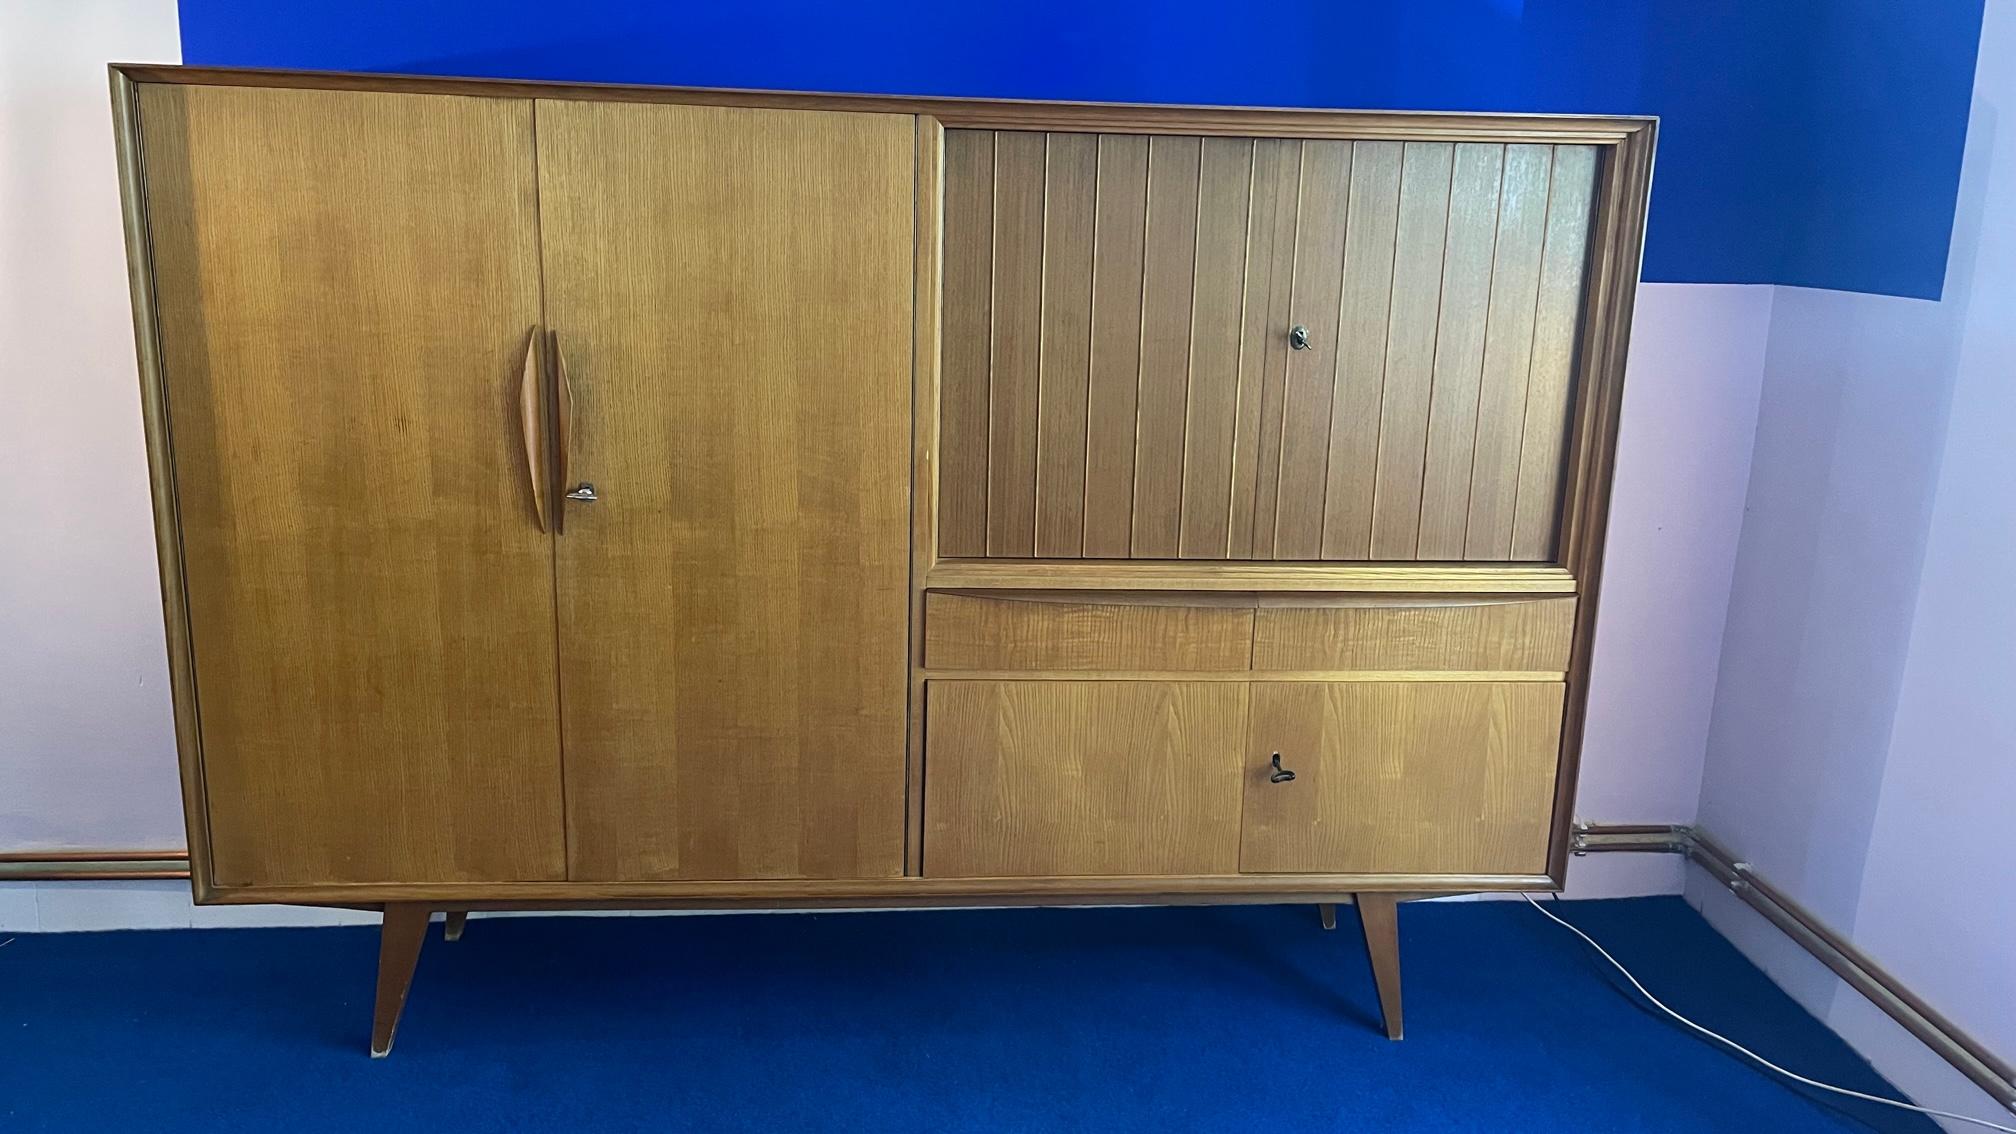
{"type": "Point", "coordinates": [1118, 379]}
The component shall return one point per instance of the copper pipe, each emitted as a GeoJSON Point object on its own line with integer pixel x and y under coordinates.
{"type": "Point", "coordinates": [101, 865]}
{"type": "Point", "coordinates": [95, 856]}
{"type": "Point", "coordinates": [1968, 1055]}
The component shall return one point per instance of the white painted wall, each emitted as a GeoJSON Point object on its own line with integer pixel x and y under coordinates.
{"type": "Point", "coordinates": [86, 746]}
{"type": "Point", "coordinates": [1863, 752]}
{"type": "Point", "coordinates": [1683, 467]}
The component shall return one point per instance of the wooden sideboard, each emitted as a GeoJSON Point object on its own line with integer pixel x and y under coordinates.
{"type": "Point", "coordinates": [579, 496]}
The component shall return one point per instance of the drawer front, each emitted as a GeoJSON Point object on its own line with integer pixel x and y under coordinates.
{"type": "Point", "coordinates": [1526, 636]}
{"type": "Point", "coordinates": [1401, 777]}
{"type": "Point", "coordinates": [988, 633]}
{"type": "Point", "coordinates": [1057, 778]}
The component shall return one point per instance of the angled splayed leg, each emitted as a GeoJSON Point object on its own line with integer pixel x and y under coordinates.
{"type": "Point", "coordinates": [399, 941]}
{"type": "Point", "coordinates": [1379, 915]}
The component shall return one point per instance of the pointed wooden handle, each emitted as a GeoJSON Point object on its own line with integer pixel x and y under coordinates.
{"type": "Point", "coordinates": [531, 422]}
{"type": "Point", "coordinates": [563, 428]}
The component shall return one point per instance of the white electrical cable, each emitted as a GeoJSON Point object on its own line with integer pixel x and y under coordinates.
{"type": "Point", "coordinates": [1739, 1048]}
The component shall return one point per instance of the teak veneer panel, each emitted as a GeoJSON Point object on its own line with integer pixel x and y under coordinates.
{"type": "Point", "coordinates": [1543, 344]}
{"type": "Point", "coordinates": [1061, 778]}
{"type": "Point", "coordinates": [967, 632]}
{"type": "Point", "coordinates": [731, 290]}
{"type": "Point", "coordinates": [1473, 636]}
{"type": "Point", "coordinates": [345, 285]}
{"type": "Point", "coordinates": [1404, 777]}
{"type": "Point", "coordinates": [1136, 396]}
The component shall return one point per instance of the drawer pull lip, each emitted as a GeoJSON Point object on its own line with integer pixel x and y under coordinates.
{"type": "Point", "coordinates": [1280, 775]}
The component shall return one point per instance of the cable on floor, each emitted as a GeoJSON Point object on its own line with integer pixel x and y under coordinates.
{"type": "Point", "coordinates": [1744, 1051]}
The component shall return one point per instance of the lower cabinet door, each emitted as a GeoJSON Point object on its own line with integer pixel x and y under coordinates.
{"type": "Point", "coordinates": [1036, 778]}
{"type": "Point", "coordinates": [1401, 777]}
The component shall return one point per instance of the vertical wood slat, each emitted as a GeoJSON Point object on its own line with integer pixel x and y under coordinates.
{"type": "Point", "coordinates": [1017, 338]}
{"type": "Point", "coordinates": [1426, 168]}
{"type": "Point", "coordinates": [1312, 374]}
{"type": "Point", "coordinates": [1167, 280]}
{"type": "Point", "coordinates": [969, 317]}
{"type": "Point", "coordinates": [1224, 186]}
{"type": "Point", "coordinates": [1274, 378]}
{"type": "Point", "coordinates": [1263, 344]}
{"type": "Point", "coordinates": [1373, 217]}
{"type": "Point", "coordinates": [1111, 401]}
{"type": "Point", "coordinates": [1508, 351]}
{"type": "Point", "coordinates": [1459, 349]}
{"type": "Point", "coordinates": [1556, 327]}
{"type": "Point", "coordinates": [1070, 184]}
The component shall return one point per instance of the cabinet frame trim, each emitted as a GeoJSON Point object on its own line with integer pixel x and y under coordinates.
{"type": "Point", "coordinates": [161, 476]}
{"type": "Point", "coordinates": [1617, 248]}
{"type": "Point", "coordinates": [776, 893]}
{"type": "Point", "coordinates": [971, 113]}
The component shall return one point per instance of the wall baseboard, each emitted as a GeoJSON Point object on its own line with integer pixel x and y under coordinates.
{"type": "Point", "coordinates": [1967, 1055]}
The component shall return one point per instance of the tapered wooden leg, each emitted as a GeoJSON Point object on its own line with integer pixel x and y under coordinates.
{"type": "Point", "coordinates": [1329, 915]}
{"type": "Point", "coordinates": [1378, 913]}
{"type": "Point", "coordinates": [451, 930]}
{"type": "Point", "coordinates": [399, 941]}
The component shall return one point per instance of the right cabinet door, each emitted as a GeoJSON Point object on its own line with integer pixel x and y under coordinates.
{"type": "Point", "coordinates": [730, 291]}
{"type": "Point", "coordinates": [1400, 777]}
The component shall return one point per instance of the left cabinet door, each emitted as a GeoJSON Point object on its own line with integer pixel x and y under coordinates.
{"type": "Point", "coordinates": [345, 284]}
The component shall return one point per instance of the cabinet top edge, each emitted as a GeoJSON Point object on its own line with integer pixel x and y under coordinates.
{"type": "Point", "coordinates": [964, 112]}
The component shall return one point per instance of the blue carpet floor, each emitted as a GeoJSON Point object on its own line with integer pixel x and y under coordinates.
{"type": "Point", "coordinates": [1235, 1018]}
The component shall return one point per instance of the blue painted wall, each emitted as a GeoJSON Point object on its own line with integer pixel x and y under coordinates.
{"type": "Point", "coordinates": [1803, 141]}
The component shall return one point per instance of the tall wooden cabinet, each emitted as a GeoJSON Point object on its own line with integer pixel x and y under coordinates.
{"type": "Point", "coordinates": [577, 495]}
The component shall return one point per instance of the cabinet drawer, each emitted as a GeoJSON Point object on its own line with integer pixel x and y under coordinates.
{"type": "Point", "coordinates": [1401, 777]}
{"type": "Point", "coordinates": [1525, 635]}
{"type": "Point", "coordinates": [1049, 778]}
{"type": "Point", "coordinates": [1010, 633]}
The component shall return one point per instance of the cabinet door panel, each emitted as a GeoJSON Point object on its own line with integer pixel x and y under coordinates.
{"type": "Point", "coordinates": [1131, 392]}
{"type": "Point", "coordinates": [731, 291]}
{"type": "Point", "coordinates": [1053, 778]}
{"type": "Point", "coordinates": [345, 284]}
{"type": "Point", "coordinates": [1401, 777]}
